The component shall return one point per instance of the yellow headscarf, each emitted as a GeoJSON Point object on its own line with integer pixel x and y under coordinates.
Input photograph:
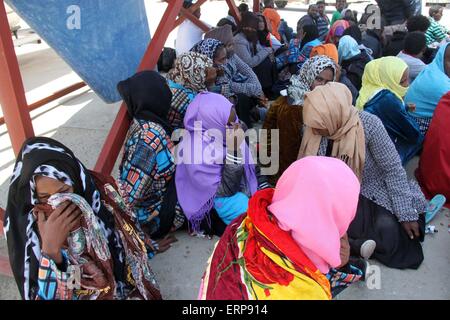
{"type": "Point", "coordinates": [380, 74]}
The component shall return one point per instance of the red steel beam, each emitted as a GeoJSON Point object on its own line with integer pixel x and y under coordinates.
{"type": "Point", "coordinates": [12, 93]}
{"type": "Point", "coordinates": [192, 9]}
{"type": "Point", "coordinates": [53, 97]}
{"type": "Point", "coordinates": [234, 10]}
{"type": "Point", "coordinates": [117, 134]}
{"type": "Point", "coordinates": [195, 20]}
{"type": "Point", "coordinates": [256, 6]}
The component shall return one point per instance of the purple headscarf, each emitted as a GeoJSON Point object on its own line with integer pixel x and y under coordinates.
{"type": "Point", "coordinates": [197, 183]}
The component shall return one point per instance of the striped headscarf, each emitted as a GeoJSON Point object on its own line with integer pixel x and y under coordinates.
{"type": "Point", "coordinates": [301, 83]}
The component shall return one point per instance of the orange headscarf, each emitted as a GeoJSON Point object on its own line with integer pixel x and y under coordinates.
{"type": "Point", "coordinates": [274, 19]}
{"type": "Point", "coordinates": [328, 50]}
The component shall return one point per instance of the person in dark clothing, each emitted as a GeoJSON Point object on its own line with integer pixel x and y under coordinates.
{"type": "Point", "coordinates": [310, 18]}
{"type": "Point", "coordinates": [373, 39]}
{"type": "Point", "coordinates": [353, 60]}
{"type": "Point", "coordinates": [397, 43]}
{"type": "Point", "coordinates": [398, 11]}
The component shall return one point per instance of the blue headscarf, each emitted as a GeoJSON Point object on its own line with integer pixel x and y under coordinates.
{"type": "Point", "coordinates": [348, 48]}
{"type": "Point", "coordinates": [207, 47]}
{"type": "Point", "coordinates": [429, 87]}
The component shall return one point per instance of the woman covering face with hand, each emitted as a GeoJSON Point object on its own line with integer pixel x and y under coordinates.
{"type": "Point", "coordinates": [69, 233]}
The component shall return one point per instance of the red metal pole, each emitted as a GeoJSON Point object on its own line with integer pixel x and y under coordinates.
{"type": "Point", "coordinates": [195, 20]}
{"type": "Point", "coordinates": [197, 5]}
{"type": "Point", "coordinates": [53, 97]}
{"type": "Point", "coordinates": [234, 10]}
{"type": "Point", "coordinates": [116, 136]}
{"type": "Point", "coordinates": [256, 6]}
{"type": "Point", "coordinates": [12, 93]}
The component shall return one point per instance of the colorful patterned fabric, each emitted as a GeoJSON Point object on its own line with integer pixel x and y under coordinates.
{"type": "Point", "coordinates": [181, 98]}
{"type": "Point", "coordinates": [296, 55]}
{"type": "Point", "coordinates": [256, 260]}
{"type": "Point", "coordinates": [339, 280]}
{"type": "Point", "coordinates": [53, 284]}
{"type": "Point", "coordinates": [146, 169]}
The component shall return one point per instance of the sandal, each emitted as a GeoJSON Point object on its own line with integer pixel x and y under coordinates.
{"type": "Point", "coordinates": [434, 206]}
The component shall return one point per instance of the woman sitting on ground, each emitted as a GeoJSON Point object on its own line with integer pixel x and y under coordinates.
{"type": "Point", "coordinates": [242, 80]}
{"type": "Point", "coordinates": [352, 60]}
{"type": "Point", "coordinates": [285, 114]}
{"type": "Point", "coordinates": [214, 172]}
{"type": "Point", "coordinates": [429, 88]}
{"type": "Point", "coordinates": [331, 52]}
{"type": "Point", "coordinates": [266, 38]}
{"type": "Point", "coordinates": [216, 50]}
{"type": "Point", "coordinates": [259, 58]}
{"type": "Point", "coordinates": [384, 85]}
{"type": "Point", "coordinates": [299, 49]}
{"type": "Point", "coordinates": [146, 173]}
{"type": "Point", "coordinates": [390, 209]}
{"type": "Point", "coordinates": [337, 32]}
{"type": "Point", "coordinates": [192, 73]}
{"type": "Point", "coordinates": [70, 235]}
{"type": "Point", "coordinates": [292, 239]}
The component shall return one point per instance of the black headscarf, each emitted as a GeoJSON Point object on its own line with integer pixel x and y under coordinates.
{"type": "Point", "coordinates": [46, 155]}
{"type": "Point", "coordinates": [310, 33]}
{"type": "Point", "coordinates": [249, 20]}
{"type": "Point", "coordinates": [354, 32]}
{"type": "Point", "coordinates": [148, 97]}
{"type": "Point", "coordinates": [263, 35]}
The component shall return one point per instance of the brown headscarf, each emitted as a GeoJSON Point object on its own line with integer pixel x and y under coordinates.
{"type": "Point", "coordinates": [190, 71]}
{"type": "Point", "coordinates": [224, 34]}
{"type": "Point", "coordinates": [329, 107]}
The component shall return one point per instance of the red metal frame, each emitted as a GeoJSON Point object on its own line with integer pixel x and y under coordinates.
{"type": "Point", "coordinates": [117, 134]}
{"type": "Point", "coordinates": [192, 9]}
{"type": "Point", "coordinates": [256, 6]}
{"type": "Point", "coordinates": [12, 93]}
{"type": "Point", "coordinates": [53, 97]}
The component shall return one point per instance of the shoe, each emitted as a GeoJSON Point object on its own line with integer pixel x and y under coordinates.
{"type": "Point", "coordinates": [434, 206]}
{"type": "Point", "coordinates": [367, 249]}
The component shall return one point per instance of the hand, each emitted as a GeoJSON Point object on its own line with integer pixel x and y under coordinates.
{"type": "Point", "coordinates": [220, 72]}
{"type": "Point", "coordinates": [345, 251]}
{"type": "Point", "coordinates": [55, 230]}
{"type": "Point", "coordinates": [263, 101]}
{"type": "Point", "coordinates": [234, 138]}
{"type": "Point", "coordinates": [411, 228]}
{"type": "Point", "coordinates": [411, 107]}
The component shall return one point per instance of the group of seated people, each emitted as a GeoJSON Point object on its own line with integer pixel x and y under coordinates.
{"type": "Point", "coordinates": [347, 121]}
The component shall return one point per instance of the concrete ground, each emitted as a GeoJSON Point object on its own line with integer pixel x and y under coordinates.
{"type": "Point", "coordinates": [82, 121]}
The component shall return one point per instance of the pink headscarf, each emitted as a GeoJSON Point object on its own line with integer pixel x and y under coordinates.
{"type": "Point", "coordinates": [316, 200]}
